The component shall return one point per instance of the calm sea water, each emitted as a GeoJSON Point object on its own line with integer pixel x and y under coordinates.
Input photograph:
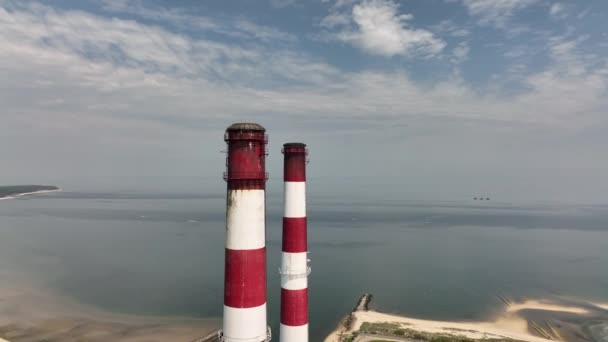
{"type": "Point", "coordinates": [162, 254]}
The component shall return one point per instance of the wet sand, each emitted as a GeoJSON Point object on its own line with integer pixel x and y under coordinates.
{"type": "Point", "coordinates": [28, 315]}
{"type": "Point", "coordinates": [531, 320]}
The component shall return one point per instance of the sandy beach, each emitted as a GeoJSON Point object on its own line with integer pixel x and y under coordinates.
{"type": "Point", "coordinates": [28, 194]}
{"type": "Point", "coordinates": [512, 323]}
{"type": "Point", "coordinates": [39, 192]}
{"type": "Point", "coordinates": [34, 315]}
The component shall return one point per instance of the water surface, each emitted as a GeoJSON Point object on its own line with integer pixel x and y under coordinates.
{"type": "Point", "coordinates": [162, 254]}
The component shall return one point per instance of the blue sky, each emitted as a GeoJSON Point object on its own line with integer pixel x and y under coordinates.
{"type": "Point", "coordinates": [434, 98]}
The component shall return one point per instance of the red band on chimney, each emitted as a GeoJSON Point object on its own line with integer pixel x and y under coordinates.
{"type": "Point", "coordinates": [294, 167]}
{"type": "Point", "coordinates": [245, 278]}
{"type": "Point", "coordinates": [294, 307]}
{"type": "Point", "coordinates": [294, 235]}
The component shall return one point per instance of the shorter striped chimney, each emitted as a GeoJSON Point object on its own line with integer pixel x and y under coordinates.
{"type": "Point", "coordinates": [294, 262]}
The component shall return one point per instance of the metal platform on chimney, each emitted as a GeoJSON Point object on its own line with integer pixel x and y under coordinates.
{"type": "Point", "coordinates": [213, 337]}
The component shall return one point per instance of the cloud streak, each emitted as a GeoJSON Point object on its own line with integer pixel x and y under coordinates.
{"type": "Point", "coordinates": [228, 26]}
{"type": "Point", "coordinates": [495, 12]}
{"type": "Point", "coordinates": [558, 11]}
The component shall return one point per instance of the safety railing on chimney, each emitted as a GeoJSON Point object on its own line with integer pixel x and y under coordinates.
{"type": "Point", "coordinates": [246, 136]}
{"type": "Point", "coordinates": [245, 175]}
{"type": "Point", "coordinates": [267, 338]}
{"type": "Point", "coordinates": [290, 274]}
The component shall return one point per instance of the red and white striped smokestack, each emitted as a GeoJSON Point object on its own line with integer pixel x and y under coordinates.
{"type": "Point", "coordinates": [245, 272]}
{"type": "Point", "coordinates": [294, 262]}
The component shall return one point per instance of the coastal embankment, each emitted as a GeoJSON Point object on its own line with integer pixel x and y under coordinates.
{"type": "Point", "coordinates": [529, 320]}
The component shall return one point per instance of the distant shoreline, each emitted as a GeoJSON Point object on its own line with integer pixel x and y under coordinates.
{"type": "Point", "coordinates": [16, 195]}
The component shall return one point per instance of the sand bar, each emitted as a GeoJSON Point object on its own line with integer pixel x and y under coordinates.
{"type": "Point", "coordinates": [601, 305]}
{"type": "Point", "coordinates": [509, 324]}
{"type": "Point", "coordinates": [538, 305]}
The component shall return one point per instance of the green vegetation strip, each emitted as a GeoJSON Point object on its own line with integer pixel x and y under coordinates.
{"type": "Point", "coordinates": [395, 329]}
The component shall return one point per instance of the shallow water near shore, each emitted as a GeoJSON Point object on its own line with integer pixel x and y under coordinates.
{"type": "Point", "coordinates": [162, 254]}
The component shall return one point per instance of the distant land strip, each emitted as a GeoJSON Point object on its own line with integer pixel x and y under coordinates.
{"type": "Point", "coordinates": [11, 191]}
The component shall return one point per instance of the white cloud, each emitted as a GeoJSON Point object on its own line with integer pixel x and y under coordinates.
{"type": "Point", "coordinates": [495, 12]}
{"type": "Point", "coordinates": [460, 33]}
{"type": "Point", "coordinates": [583, 13]}
{"type": "Point", "coordinates": [517, 51]}
{"type": "Point", "coordinates": [448, 27]}
{"type": "Point", "coordinates": [567, 54]}
{"type": "Point", "coordinates": [460, 53]}
{"type": "Point", "coordinates": [282, 3]}
{"type": "Point", "coordinates": [376, 27]}
{"type": "Point", "coordinates": [341, 3]}
{"type": "Point", "coordinates": [336, 20]}
{"type": "Point", "coordinates": [558, 11]}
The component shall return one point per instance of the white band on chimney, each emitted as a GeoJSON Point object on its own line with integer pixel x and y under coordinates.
{"type": "Point", "coordinates": [245, 220]}
{"type": "Point", "coordinates": [241, 324]}
{"type": "Point", "coordinates": [295, 199]}
{"type": "Point", "coordinates": [294, 271]}
{"type": "Point", "coordinates": [294, 334]}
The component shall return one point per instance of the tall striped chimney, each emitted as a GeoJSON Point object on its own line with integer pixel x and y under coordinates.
{"type": "Point", "coordinates": [294, 262]}
{"type": "Point", "coordinates": [245, 268]}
